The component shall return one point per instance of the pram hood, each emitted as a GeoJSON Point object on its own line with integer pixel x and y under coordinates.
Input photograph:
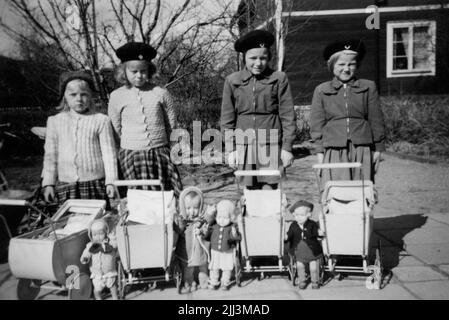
{"type": "Point", "coordinates": [184, 193]}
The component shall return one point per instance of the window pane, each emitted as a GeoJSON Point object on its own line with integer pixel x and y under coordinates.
{"type": "Point", "coordinates": [400, 63]}
{"type": "Point", "coordinates": [422, 48]}
{"type": "Point", "coordinates": [400, 41]}
{"type": "Point", "coordinates": [421, 34]}
{"type": "Point", "coordinates": [421, 56]}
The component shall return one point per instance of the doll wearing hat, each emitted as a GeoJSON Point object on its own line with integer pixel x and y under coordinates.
{"type": "Point", "coordinates": [80, 160]}
{"type": "Point", "coordinates": [303, 237]}
{"type": "Point", "coordinates": [193, 219]}
{"type": "Point", "coordinates": [143, 117]}
{"type": "Point", "coordinates": [257, 101]}
{"type": "Point", "coordinates": [346, 121]}
{"type": "Point", "coordinates": [101, 253]}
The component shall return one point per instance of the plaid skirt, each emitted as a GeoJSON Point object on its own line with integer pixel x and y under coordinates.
{"type": "Point", "coordinates": [93, 189]}
{"type": "Point", "coordinates": [250, 159]}
{"type": "Point", "coordinates": [352, 153]}
{"type": "Point", "coordinates": [150, 164]}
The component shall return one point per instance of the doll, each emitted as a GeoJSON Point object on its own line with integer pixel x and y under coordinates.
{"type": "Point", "coordinates": [223, 237]}
{"type": "Point", "coordinates": [100, 253]}
{"type": "Point", "coordinates": [304, 239]}
{"type": "Point", "coordinates": [191, 248]}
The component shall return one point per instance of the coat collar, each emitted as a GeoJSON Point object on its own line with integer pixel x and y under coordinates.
{"type": "Point", "coordinates": [266, 77]}
{"type": "Point", "coordinates": [336, 84]}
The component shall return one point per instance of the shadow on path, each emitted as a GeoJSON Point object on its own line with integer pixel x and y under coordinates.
{"type": "Point", "coordinates": [391, 231]}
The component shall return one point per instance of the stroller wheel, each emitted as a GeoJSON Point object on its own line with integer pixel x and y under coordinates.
{"type": "Point", "coordinates": [81, 290]}
{"type": "Point", "coordinates": [28, 289]}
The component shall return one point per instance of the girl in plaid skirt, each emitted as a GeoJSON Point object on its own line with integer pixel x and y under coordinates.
{"type": "Point", "coordinates": [142, 115]}
{"type": "Point", "coordinates": [80, 160]}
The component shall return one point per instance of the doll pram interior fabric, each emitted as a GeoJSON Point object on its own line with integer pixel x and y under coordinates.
{"type": "Point", "coordinates": [262, 227]}
{"type": "Point", "coordinates": [145, 237]}
{"type": "Point", "coordinates": [49, 255]}
{"type": "Point", "coordinates": [347, 219]}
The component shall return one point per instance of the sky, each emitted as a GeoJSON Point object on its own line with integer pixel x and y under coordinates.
{"type": "Point", "coordinates": [8, 46]}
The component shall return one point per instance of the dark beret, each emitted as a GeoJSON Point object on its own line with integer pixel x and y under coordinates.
{"type": "Point", "coordinates": [254, 39]}
{"type": "Point", "coordinates": [353, 44]}
{"type": "Point", "coordinates": [68, 76]}
{"type": "Point", "coordinates": [300, 203]}
{"type": "Point", "coordinates": [136, 51]}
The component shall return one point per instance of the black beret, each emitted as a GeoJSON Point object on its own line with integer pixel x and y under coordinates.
{"type": "Point", "coordinates": [300, 203]}
{"type": "Point", "coordinates": [254, 39]}
{"type": "Point", "coordinates": [68, 76]}
{"type": "Point", "coordinates": [136, 51]}
{"type": "Point", "coordinates": [353, 44]}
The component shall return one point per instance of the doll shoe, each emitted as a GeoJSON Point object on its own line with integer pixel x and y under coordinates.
{"type": "Point", "coordinates": [302, 285]}
{"type": "Point", "coordinates": [212, 286]}
{"type": "Point", "coordinates": [315, 285]}
{"type": "Point", "coordinates": [225, 287]}
{"type": "Point", "coordinates": [187, 289]}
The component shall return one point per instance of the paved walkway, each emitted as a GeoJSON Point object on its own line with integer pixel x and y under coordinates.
{"type": "Point", "coordinates": [411, 219]}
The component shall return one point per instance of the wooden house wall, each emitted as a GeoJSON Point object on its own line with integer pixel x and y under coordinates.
{"type": "Point", "coordinates": [306, 68]}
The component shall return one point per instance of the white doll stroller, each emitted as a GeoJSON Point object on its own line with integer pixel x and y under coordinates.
{"type": "Point", "coordinates": [145, 237]}
{"type": "Point", "coordinates": [49, 257]}
{"type": "Point", "coordinates": [262, 225]}
{"type": "Point", "coordinates": [347, 220]}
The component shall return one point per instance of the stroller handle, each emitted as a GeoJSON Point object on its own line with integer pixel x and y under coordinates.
{"type": "Point", "coordinates": [257, 173]}
{"type": "Point", "coordinates": [134, 183]}
{"type": "Point", "coordinates": [337, 165]}
{"type": "Point", "coordinates": [11, 202]}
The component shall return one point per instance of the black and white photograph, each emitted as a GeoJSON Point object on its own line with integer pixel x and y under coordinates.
{"type": "Point", "coordinates": [222, 154]}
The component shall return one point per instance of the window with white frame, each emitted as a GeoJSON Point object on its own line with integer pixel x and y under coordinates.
{"type": "Point", "coordinates": [411, 48]}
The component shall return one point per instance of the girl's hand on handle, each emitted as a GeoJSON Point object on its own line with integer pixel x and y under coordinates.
{"type": "Point", "coordinates": [286, 158]}
{"type": "Point", "coordinates": [232, 159]}
{"type": "Point", "coordinates": [376, 160]}
{"type": "Point", "coordinates": [110, 191]}
{"type": "Point", "coordinates": [319, 159]}
{"type": "Point", "coordinates": [49, 194]}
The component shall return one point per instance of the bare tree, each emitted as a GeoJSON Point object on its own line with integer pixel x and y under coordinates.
{"type": "Point", "coordinates": [92, 43]}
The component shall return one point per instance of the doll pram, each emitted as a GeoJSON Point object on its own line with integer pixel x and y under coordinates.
{"type": "Point", "coordinates": [49, 257]}
{"type": "Point", "coordinates": [146, 250]}
{"type": "Point", "coordinates": [262, 224]}
{"type": "Point", "coordinates": [347, 220]}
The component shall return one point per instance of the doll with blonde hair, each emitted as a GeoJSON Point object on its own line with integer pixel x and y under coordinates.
{"type": "Point", "coordinates": [223, 237]}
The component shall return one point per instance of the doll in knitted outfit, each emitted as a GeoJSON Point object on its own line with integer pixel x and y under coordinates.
{"type": "Point", "coordinates": [100, 253]}
{"type": "Point", "coordinates": [223, 237]}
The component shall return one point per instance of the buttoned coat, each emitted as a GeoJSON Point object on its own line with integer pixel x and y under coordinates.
{"type": "Point", "coordinates": [260, 103]}
{"type": "Point", "coordinates": [309, 234]}
{"type": "Point", "coordinates": [340, 113]}
{"type": "Point", "coordinates": [221, 238]}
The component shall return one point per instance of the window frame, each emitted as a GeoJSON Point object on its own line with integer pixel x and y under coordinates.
{"type": "Point", "coordinates": [391, 25]}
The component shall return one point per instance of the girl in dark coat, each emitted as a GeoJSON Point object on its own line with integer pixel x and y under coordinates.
{"type": "Point", "coordinates": [257, 104]}
{"type": "Point", "coordinates": [346, 121]}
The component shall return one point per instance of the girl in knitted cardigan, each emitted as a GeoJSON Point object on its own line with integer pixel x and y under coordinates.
{"type": "Point", "coordinates": [80, 160]}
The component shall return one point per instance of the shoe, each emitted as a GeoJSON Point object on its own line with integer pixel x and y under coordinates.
{"type": "Point", "coordinates": [302, 285]}
{"type": "Point", "coordinates": [187, 289]}
{"type": "Point", "coordinates": [194, 287]}
{"type": "Point", "coordinates": [212, 286]}
{"type": "Point", "coordinates": [315, 285]}
{"type": "Point", "coordinates": [225, 287]}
